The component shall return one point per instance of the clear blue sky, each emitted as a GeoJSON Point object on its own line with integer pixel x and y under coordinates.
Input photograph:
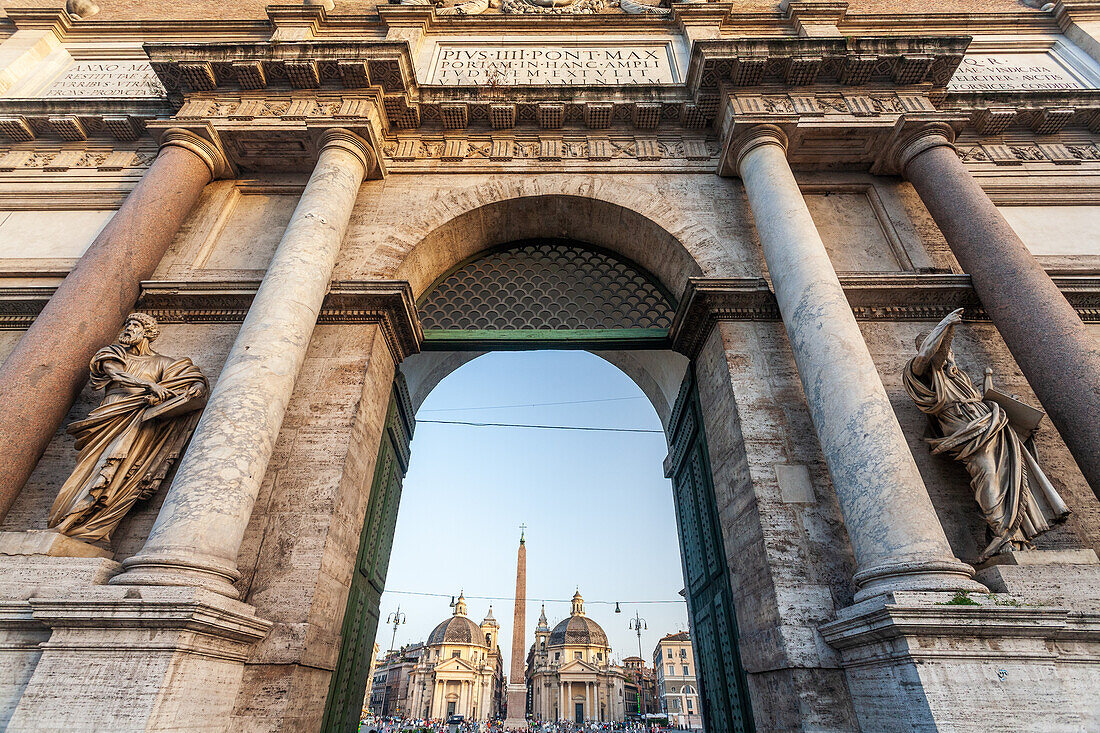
{"type": "Point", "coordinates": [598, 509]}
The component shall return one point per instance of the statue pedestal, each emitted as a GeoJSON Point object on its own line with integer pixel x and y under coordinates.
{"type": "Point", "coordinates": [1047, 577]}
{"type": "Point", "coordinates": [174, 657]}
{"type": "Point", "coordinates": [27, 569]}
{"type": "Point", "coordinates": [910, 657]}
{"type": "Point", "coordinates": [49, 543]}
{"type": "Point", "coordinates": [517, 709]}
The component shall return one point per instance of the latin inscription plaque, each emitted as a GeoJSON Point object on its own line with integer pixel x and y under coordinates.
{"type": "Point", "coordinates": [1014, 72]}
{"type": "Point", "coordinates": [107, 79]}
{"type": "Point", "coordinates": [568, 64]}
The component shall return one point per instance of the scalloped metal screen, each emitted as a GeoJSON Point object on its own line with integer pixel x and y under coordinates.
{"type": "Point", "coordinates": [546, 285]}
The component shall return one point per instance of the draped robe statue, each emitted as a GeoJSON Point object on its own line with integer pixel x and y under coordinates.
{"type": "Point", "coordinates": [127, 444]}
{"type": "Point", "coordinates": [1018, 501]}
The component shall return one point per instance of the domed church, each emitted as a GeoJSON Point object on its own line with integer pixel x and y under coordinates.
{"type": "Point", "coordinates": [570, 675]}
{"type": "Point", "coordinates": [462, 670]}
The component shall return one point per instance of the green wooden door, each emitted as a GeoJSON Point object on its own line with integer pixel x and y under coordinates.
{"type": "Point", "coordinates": [349, 680]}
{"type": "Point", "coordinates": [721, 678]}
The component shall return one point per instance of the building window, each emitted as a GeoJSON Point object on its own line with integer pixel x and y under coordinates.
{"type": "Point", "coordinates": [457, 654]}
{"type": "Point", "coordinates": [686, 673]}
{"type": "Point", "coordinates": [689, 706]}
{"type": "Point", "coordinates": [576, 655]}
{"type": "Point", "coordinates": [599, 656]}
{"type": "Point", "coordinates": [671, 670]}
{"type": "Point", "coordinates": [683, 653]}
{"type": "Point", "coordinates": [557, 656]}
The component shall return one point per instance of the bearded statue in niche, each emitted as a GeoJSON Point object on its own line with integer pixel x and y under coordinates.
{"type": "Point", "coordinates": [989, 433]}
{"type": "Point", "coordinates": [128, 444]}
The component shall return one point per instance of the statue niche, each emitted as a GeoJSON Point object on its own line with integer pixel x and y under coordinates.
{"type": "Point", "coordinates": [127, 445]}
{"type": "Point", "coordinates": [990, 433]}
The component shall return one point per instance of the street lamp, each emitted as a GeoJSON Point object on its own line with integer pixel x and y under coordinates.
{"type": "Point", "coordinates": [396, 618]}
{"type": "Point", "coordinates": [637, 624]}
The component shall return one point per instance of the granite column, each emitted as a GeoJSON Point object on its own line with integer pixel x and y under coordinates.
{"type": "Point", "coordinates": [1042, 330]}
{"type": "Point", "coordinates": [896, 537]}
{"type": "Point", "coordinates": [43, 375]}
{"type": "Point", "coordinates": [198, 532]}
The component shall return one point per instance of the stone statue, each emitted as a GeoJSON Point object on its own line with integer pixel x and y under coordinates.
{"type": "Point", "coordinates": [128, 443]}
{"type": "Point", "coordinates": [1018, 501]}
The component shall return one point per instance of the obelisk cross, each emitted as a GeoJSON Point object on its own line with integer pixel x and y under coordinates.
{"type": "Point", "coordinates": [522, 532]}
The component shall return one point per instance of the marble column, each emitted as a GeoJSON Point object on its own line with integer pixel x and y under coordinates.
{"type": "Point", "coordinates": [200, 526]}
{"type": "Point", "coordinates": [43, 375]}
{"type": "Point", "coordinates": [896, 537]}
{"type": "Point", "coordinates": [1042, 330]}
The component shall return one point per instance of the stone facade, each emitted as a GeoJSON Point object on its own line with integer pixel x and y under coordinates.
{"type": "Point", "coordinates": [674, 667]}
{"type": "Point", "coordinates": [806, 183]}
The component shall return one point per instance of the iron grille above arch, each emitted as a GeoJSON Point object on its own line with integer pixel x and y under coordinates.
{"type": "Point", "coordinates": [546, 286]}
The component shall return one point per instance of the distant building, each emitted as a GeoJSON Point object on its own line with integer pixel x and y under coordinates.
{"type": "Point", "coordinates": [677, 688]}
{"type": "Point", "coordinates": [370, 679]}
{"type": "Point", "coordinates": [389, 684]}
{"type": "Point", "coordinates": [640, 688]}
{"type": "Point", "coordinates": [570, 674]}
{"type": "Point", "coordinates": [461, 671]}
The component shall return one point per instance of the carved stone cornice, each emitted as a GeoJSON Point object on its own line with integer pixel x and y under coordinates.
{"type": "Point", "coordinates": [229, 67]}
{"type": "Point", "coordinates": [873, 297]}
{"type": "Point", "coordinates": [386, 303]}
{"type": "Point", "coordinates": [852, 128]}
{"type": "Point", "coordinates": [282, 134]}
{"type": "Point", "coordinates": [69, 120]}
{"type": "Point", "coordinates": [1041, 113]}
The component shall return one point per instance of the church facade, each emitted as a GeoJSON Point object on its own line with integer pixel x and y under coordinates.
{"type": "Point", "coordinates": [847, 249]}
{"type": "Point", "coordinates": [570, 674]}
{"type": "Point", "coordinates": [461, 672]}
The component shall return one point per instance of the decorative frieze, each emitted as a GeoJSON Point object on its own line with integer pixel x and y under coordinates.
{"type": "Point", "coordinates": [1018, 153]}
{"type": "Point", "coordinates": [56, 160]}
{"type": "Point", "coordinates": [551, 148]}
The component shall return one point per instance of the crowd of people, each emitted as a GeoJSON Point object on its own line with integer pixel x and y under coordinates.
{"type": "Point", "coordinates": [412, 725]}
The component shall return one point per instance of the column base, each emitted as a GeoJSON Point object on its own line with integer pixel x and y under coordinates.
{"type": "Point", "coordinates": [916, 575]}
{"type": "Point", "coordinates": [928, 662]}
{"type": "Point", "coordinates": [138, 659]}
{"type": "Point", "coordinates": [210, 573]}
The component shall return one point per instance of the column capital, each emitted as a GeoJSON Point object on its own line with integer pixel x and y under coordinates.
{"type": "Point", "coordinates": [753, 138]}
{"type": "Point", "coordinates": [339, 137]}
{"type": "Point", "coordinates": [208, 151]}
{"type": "Point", "coordinates": [911, 144]}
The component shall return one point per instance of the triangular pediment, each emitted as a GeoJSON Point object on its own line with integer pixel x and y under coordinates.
{"type": "Point", "coordinates": [455, 664]}
{"type": "Point", "coordinates": [578, 665]}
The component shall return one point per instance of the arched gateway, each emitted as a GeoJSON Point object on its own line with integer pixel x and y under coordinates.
{"type": "Point", "coordinates": [758, 212]}
{"type": "Point", "coordinates": [555, 293]}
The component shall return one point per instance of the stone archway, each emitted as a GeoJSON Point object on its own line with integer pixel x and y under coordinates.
{"type": "Point", "coordinates": [666, 378]}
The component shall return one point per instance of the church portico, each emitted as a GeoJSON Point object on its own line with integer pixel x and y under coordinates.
{"type": "Point", "coordinates": [787, 200]}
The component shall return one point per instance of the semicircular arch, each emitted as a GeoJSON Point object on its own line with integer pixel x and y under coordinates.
{"type": "Point", "coordinates": [642, 226]}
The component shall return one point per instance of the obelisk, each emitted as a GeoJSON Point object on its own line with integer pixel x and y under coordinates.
{"type": "Point", "coordinates": [517, 682]}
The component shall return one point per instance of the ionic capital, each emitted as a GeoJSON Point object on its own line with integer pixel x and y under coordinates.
{"type": "Point", "coordinates": [207, 151]}
{"type": "Point", "coordinates": [339, 138]}
{"type": "Point", "coordinates": [753, 138]}
{"type": "Point", "coordinates": [926, 137]}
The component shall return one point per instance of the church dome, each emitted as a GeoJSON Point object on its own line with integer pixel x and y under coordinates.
{"type": "Point", "coordinates": [578, 629]}
{"type": "Point", "coordinates": [458, 629]}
